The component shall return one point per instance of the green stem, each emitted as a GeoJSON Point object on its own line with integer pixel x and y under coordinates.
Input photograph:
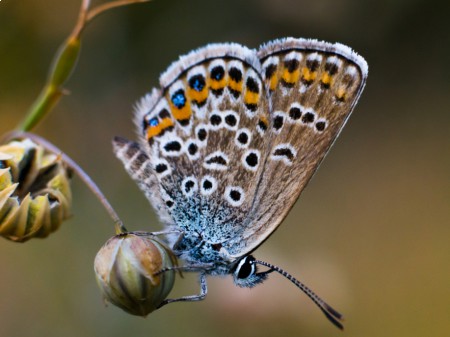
{"type": "Point", "coordinates": [64, 63]}
{"type": "Point", "coordinates": [45, 102]}
{"type": "Point", "coordinates": [62, 67]}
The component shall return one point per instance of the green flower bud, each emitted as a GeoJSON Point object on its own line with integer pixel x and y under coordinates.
{"type": "Point", "coordinates": [126, 269]}
{"type": "Point", "coordinates": [35, 194]}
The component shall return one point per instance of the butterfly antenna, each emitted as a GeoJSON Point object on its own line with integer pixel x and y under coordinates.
{"type": "Point", "coordinates": [329, 312]}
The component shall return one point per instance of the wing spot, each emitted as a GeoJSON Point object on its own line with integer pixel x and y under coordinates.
{"type": "Point", "coordinates": [234, 195]}
{"type": "Point", "coordinates": [179, 99]}
{"type": "Point", "coordinates": [308, 118]}
{"type": "Point", "coordinates": [197, 82]}
{"type": "Point", "coordinates": [278, 121]}
{"type": "Point", "coordinates": [291, 65]}
{"type": "Point", "coordinates": [262, 126]}
{"type": "Point", "coordinates": [202, 134]}
{"type": "Point", "coordinates": [295, 113]}
{"type": "Point", "coordinates": [160, 168]}
{"type": "Point", "coordinates": [332, 65]}
{"type": "Point", "coordinates": [312, 64]}
{"type": "Point", "coordinates": [153, 122]}
{"type": "Point", "coordinates": [285, 153]}
{"type": "Point", "coordinates": [252, 85]}
{"type": "Point", "coordinates": [242, 138]}
{"type": "Point", "coordinates": [231, 120]}
{"type": "Point", "coordinates": [321, 125]}
{"type": "Point", "coordinates": [216, 161]}
{"type": "Point", "coordinates": [250, 160]}
{"type": "Point", "coordinates": [189, 186]}
{"type": "Point", "coordinates": [164, 113]}
{"type": "Point", "coordinates": [270, 70]}
{"type": "Point", "coordinates": [217, 73]}
{"type": "Point", "coordinates": [252, 107]}
{"type": "Point", "coordinates": [235, 74]}
{"type": "Point", "coordinates": [215, 120]}
{"type": "Point", "coordinates": [173, 146]}
{"type": "Point", "coordinates": [192, 149]}
{"type": "Point", "coordinates": [208, 185]}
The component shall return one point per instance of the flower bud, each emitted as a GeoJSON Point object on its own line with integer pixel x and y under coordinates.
{"type": "Point", "coordinates": [126, 269]}
{"type": "Point", "coordinates": [35, 194]}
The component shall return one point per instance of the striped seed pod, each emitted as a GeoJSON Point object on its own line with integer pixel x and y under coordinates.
{"type": "Point", "coordinates": [35, 194]}
{"type": "Point", "coordinates": [127, 267]}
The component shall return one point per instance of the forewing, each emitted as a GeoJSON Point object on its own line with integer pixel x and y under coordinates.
{"type": "Point", "coordinates": [204, 134]}
{"type": "Point", "coordinates": [313, 87]}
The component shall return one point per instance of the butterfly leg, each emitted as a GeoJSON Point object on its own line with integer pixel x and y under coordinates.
{"type": "Point", "coordinates": [191, 298]}
{"type": "Point", "coordinates": [168, 232]}
{"type": "Point", "coordinates": [178, 236]}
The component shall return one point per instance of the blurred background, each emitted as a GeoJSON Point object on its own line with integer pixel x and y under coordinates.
{"type": "Point", "coordinates": [370, 234]}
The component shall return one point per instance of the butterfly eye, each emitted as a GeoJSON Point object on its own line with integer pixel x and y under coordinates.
{"type": "Point", "coordinates": [246, 275]}
{"type": "Point", "coordinates": [245, 268]}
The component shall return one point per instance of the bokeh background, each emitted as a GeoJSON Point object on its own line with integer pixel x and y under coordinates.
{"type": "Point", "coordinates": [370, 234]}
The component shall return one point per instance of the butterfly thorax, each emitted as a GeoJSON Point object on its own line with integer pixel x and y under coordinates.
{"type": "Point", "coordinates": [199, 252]}
{"type": "Point", "coordinates": [207, 236]}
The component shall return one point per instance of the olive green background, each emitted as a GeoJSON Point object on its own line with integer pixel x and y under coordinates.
{"type": "Point", "coordinates": [370, 234]}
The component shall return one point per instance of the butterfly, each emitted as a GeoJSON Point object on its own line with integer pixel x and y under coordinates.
{"type": "Point", "coordinates": [230, 140]}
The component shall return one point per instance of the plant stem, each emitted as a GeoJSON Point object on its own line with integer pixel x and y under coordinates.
{"type": "Point", "coordinates": [64, 63]}
{"type": "Point", "coordinates": [45, 102]}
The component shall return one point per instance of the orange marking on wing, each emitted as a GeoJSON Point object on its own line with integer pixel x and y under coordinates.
{"type": "Point", "coordinates": [198, 96]}
{"type": "Point", "coordinates": [183, 113]}
{"type": "Point", "coordinates": [341, 94]}
{"type": "Point", "coordinates": [251, 97]}
{"type": "Point", "coordinates": [327, 78]}
{"type": "Point", "coordinates": [308, 75]}
{"type": "Point", "coordinates": [291, 77]}
{"type": "Point", "coordinates": [156, 130]}
{"type": "Point", "coordinates": [264, 120]}
{"type": "Point", "coordinates": [237, 86]}
{"type": "Point", "coordinates": [216, 85]}
{"type": "Point", "coordinates": [273, 81]}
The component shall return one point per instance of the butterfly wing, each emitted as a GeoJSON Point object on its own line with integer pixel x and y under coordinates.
{"type": "Point", "coordinates": [203, 143]}
{"type": "Point", "coordinates": [233, 136]}
{"type": "Point", "coordinates": [313, 87]}
{"type": "Point", "coordinates": [140, 168]}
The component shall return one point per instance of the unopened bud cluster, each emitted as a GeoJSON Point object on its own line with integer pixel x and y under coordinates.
{"type": "Point", "coordinates": [35, 194]}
